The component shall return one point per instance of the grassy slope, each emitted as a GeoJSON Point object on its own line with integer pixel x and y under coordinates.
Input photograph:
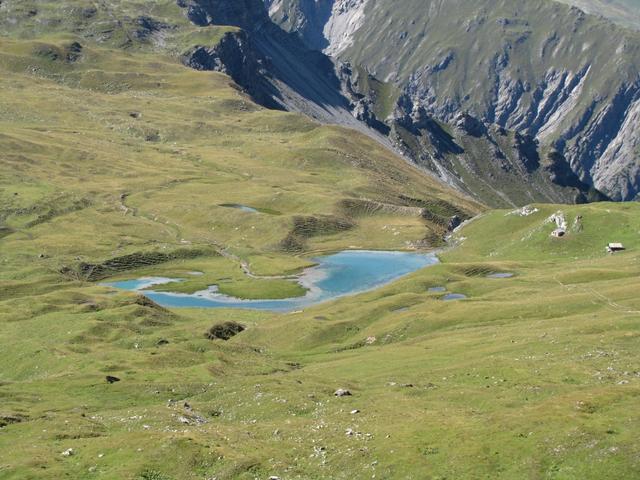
{"type": "Point", "coordinates": [73, 149]}
{"type": "Point", "coordinates": [121, 152]}
{"type": "Point", "coordinates": [520, 381]}
{"type": "Point", "coordinates": [531, 377]}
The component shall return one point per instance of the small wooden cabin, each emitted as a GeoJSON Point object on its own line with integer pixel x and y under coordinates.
{"type": "Point", "coordinates": [615, 247]}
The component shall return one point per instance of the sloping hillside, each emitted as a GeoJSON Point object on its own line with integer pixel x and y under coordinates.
{"type": "Point", "coordinates": [118, 161]}
{"type": "Point", "coordinates": [624, 12]}
{"type": "Point", "coordinates": [540, 68]}
{"type": "Point", "coordinates": [278, 71]}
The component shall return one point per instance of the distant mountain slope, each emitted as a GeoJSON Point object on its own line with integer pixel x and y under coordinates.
{"type": "Point", "coordinates": [542, 68]}
{"type": "Point", "coordinates": [280, 71]}
{"type": "Point", "coordinates": [624, 12]}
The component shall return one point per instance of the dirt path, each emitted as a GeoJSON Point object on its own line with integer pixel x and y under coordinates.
{"type": "Point", "coordinates": [606, 301]}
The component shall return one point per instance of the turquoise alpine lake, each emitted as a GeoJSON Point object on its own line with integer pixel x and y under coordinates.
{"type": "Point", "coordinates": [334, 276]}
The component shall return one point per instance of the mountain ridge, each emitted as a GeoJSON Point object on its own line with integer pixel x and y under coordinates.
{"type": "Point", "coordinates": [624, 12]}
{"type": "Point", "coordinates": [551, 71]}
{"type": "Point", "coordinates": [292, 77]}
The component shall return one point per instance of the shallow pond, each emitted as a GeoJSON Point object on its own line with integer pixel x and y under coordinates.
{"type": "Point", "coordinates": [334, 276]}
{"type": "Point", "coordinates": [501, 275]}
{"type": "Point", "coordinates": [453, 296]}
{"type": "Point", "coordinates": [239, 206]}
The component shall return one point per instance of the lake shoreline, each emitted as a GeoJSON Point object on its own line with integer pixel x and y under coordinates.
{"type": "Point", "coordinates": [341, 274]}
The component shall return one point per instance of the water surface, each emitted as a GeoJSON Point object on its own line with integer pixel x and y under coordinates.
{"type": "Point", "coordinates": [501, 275]}
{"type": "Point", "coordinates": [239, 206]}
{"type": "Point", "coordinates": [453, 296]}
{"type": "Point", "coordinates": [334, 276]}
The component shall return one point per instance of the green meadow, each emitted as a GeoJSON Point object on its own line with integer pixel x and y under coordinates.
{"type": "Point", "coordinates": [117, 164]}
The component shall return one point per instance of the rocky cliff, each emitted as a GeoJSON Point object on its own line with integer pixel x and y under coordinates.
{"type": "Point", "coordinates": [545, 69]}
{"type": "Point", "coordinates": [326, 25]}
{"type": "Point", "coordinates": [286, 70]}
{"type": "Point", "coordinates": [247, 14]}
{"type": "Point", "coordinates": [275, 67]}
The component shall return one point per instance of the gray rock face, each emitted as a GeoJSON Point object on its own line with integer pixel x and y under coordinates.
{"type": "Point", "coordinates": [469, 125]}
{"type": "Point", "coordinates": [275, 68]}
{"type": "Point", "coordinates": [278, 70]}
{"type": "Point", "coordinates": [503, 168]}
{"type": "Point", "coordinates": [606, 150]}
{"type": "Point", "coordinates": [595, 134]}
{"type": "Point", "coordinates": [247, 14]}
{"type": "Point", "coordinates": [546, 70]}
{"type": "Point", "coordinates": [326, 25]}
{"type": "Point", "coordinates": [600, 143]}
{"type": "Point", "coordinates": [236, 57]}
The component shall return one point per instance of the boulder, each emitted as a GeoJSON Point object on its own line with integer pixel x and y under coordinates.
{"type": "Point", "coordinates": [454, 223]}
{"type": "Point", "coordinates": [68, 452]}
{"type": "Point", "coordinates": [341, 392]}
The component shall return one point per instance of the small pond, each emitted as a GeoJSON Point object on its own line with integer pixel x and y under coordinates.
{"type": "Point", "coordinates": [501, 275]}
{"type": "Point", "coordinates": [334, 276]}
{"type": "Point", "coordinates": [437, 289]}
{"type": "Point", "coordinates": [239, 206]}
{"type": "Point", "coordinates": [453, 296]}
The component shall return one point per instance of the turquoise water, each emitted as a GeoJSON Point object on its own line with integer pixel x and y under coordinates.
{"type": "Point", "coordinates": [334, 276]}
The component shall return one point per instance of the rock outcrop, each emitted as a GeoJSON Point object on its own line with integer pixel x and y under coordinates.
{"type": "Point", "coordinates": [246, 14]}
{"type": "Point", "coordinates": [327, 25]}
{"type": "Point", "coordinates": [274, 67]}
